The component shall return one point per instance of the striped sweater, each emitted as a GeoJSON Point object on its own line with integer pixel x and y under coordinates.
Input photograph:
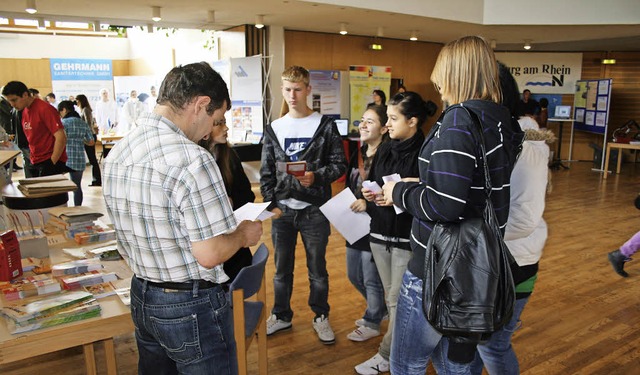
{"type": "Point", "coordinates": [451, 185]}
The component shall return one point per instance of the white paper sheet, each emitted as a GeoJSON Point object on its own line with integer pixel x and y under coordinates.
{"type": "Point", "coordinates": [394, 177]}
{"type": "Point", "coordinates": [351, 225]}
{"type": "Point", "coordinates": [253, 211]}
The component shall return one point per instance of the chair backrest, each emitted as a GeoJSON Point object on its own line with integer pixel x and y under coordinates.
{"type": "Point", "coordinates": [250, 277]}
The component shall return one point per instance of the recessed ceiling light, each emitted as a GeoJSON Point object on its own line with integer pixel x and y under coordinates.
{"type": "Point", "coordinates": [343, 29]}
{"type": "Point", "coordinates": [31, 7]}
{"type": "Point", "coordinates": [155, 14]}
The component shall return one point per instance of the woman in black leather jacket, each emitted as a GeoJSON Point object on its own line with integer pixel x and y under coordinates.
{"type": "Point", "coordinates": [451, 187]}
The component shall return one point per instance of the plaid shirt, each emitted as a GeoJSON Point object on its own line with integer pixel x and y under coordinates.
{"type": "Point", "coordinates": [78, 132]}
{"type": "Point", "coordinates": [164, 192]}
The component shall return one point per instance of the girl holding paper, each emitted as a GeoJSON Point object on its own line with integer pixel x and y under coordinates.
{"type": "Point", "coordinates": [236, 183]}
{"type": "Point", "coordinates": [389, 237]}
{"type": "Point", "coordinates": [361, 268]}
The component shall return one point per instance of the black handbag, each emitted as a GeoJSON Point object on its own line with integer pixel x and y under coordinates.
{"type": "Point", "coordinates": [468, 288]}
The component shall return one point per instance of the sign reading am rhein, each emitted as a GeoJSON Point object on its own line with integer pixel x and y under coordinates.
{"type": "Point", "coordinates": [544, 73]}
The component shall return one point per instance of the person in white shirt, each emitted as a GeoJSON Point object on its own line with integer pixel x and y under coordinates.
{"type": "Point", "coordinates": [105, 112]}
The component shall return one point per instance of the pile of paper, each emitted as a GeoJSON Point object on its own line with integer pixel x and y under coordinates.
{"type": "Point", "coordinates": [51, 311]}
{"type": "Point", "coordinates": [29, 286]}
{"type": "Point", "coordinates": [80, 224]}
{"type": "Point", "coordinates": [45, 186]}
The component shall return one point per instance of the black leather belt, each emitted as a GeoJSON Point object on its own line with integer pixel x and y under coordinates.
{"type": "Point", "coordinates": [187, 285]}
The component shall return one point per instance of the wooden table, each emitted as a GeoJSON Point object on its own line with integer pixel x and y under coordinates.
{"type": "Point", "coordinates": [8, 157]}
{"type": "Point", "coordinates": [115, 320]}
{"type": "Point", "coordinates": [110, 138]}
{"type": "Point", "coordinates": [620, 147]}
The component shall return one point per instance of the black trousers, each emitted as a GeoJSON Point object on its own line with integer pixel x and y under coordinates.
{"type": "Point", "coordinates": [95, 166]}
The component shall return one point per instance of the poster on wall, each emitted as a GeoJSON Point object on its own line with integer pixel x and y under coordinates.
{"type": "Point", "coordinates": [544, 73]}
{"type": "Point", "coordinates": [246, 125]}
{"type": "Point", "coordinates": [363, 79]}
{"type": "Point", "coordinates": [325, 92]}
{"type": "Point", "coordinates": [591, 105]}
{"type": "Point", "coordinates": [135, 96]}
{"type": "Point", "coordinates": [71, 77]}
{"type": "Point", "coordinates": [246, 121]}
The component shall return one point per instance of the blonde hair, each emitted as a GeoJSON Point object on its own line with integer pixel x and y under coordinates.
{"type": "Point", "coordinates": [296, 74]}
{"type": "Point", "coordinates": [466, 69]}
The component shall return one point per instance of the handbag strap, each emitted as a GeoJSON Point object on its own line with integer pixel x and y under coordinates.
{"type": "Point", "coordinates": [480, 130]}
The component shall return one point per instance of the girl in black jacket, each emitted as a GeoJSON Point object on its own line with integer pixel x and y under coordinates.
{"type": "Point", "coordinates": [389, 237]}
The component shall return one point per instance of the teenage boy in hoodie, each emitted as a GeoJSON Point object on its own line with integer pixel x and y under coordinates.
{"type": "Point", "coordinates": [300, 135]}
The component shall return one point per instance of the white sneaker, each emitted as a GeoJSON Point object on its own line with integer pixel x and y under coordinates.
{"type": "Point", "coordinates": [373, 366]}
{"type": "Point", "coordinates": [361, 322]}
{"type": "Point", "coordinates": [276, 325]}
{"type": "Point", "coordinates": [323, 329]}
{"type": "Point", "coordinates": [363, 333]}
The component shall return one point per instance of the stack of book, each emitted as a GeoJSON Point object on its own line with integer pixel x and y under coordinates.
{"type": "Point", "coordinates": [51, 311]}
{"type": "Point", "coordinates": [87, 279]}
{"type": "Point", "coordinates": [80, 224]}
{"type": "Point", "coordinates": [45, 186]}
{"type": "Point", "coordinates": [75, 267]}
{"type": "Point", "coordinates": [29, 286]}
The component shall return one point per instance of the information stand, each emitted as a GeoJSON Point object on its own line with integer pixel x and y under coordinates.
{"type": "Point", "coordinates": [591, 108]}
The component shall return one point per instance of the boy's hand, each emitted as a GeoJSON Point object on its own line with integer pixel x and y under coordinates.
{"type": "Point", "coordinates": [306, 180]}
{"type": "Point", "coordinates": [277, 212]}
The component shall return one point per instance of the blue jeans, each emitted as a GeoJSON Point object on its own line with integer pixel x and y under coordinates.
{"type": "Point", "coordinates": [183, 331]}
{"type": "Point", "coordinates": [76, 177]}
{"type": "Point", "coordinates": [363, 274]}
{"type": "Point", "coordinates": [314, 228]}
{"type": "Point", "coordinates": [497, 354]}
{"type": "Point", "coordinates": [414, 339]}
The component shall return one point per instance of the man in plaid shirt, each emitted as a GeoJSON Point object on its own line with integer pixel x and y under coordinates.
{"type": "Point", "coordinates": [175, 227]}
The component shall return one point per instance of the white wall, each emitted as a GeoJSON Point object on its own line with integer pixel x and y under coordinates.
{"type": "Point", "coordinates": [30, 46]}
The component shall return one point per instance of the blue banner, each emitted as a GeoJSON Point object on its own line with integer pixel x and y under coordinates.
{"type": "Point", "coordinates": [81, 70]}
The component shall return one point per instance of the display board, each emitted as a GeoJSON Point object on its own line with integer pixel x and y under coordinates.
{"type": "Point", "coordinates": [591, 105]}
{"type": "Point", "coordinates": [325, 92]}
{"type": "Point", "coordinates": [363, 79]}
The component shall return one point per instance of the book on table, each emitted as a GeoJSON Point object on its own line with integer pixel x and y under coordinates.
{"type": "Point", "coordinates": [46, 306]}
{"type": "Point", "coordinates": [89, 308]}
{"type": "Point", "coordinates": [86, 279]}
{"type": "Point", "coordinates": [76, 266]}
{"type": "Point", "coordinates": [29, 286]}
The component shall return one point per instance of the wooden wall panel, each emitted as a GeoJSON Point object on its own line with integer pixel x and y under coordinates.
{"type": "Point", "coordinates": [411, 61]}
{"type": "Point", "coordinates": [34, 73]}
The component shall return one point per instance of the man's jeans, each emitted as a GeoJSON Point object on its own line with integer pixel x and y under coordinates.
{"type": "Point", "coordinates": [314, 228]}
{"type": "Point", "coordinates": [414, 339]}
{"type": "Point", "coordinates": [363, 274]}
{"type": "Point", "coordinates": [183, 331]}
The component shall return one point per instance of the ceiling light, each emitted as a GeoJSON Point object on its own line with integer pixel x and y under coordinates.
{"type": "Point", "coordinates": [414, 36]}
{"type": "Point", "coordinates": [493, 44]}
{"type": "Point", "coordinates": [527, 44]}
{"type": "Point", "coordinates": [608, 61]}
{"type": "Point", "coordinates": [343, 28]}
{"type": "Point", "coordinates": [380, 33]}
{"type": "Point", "coordinates": [375, 47]}
{"type": "Point", "coordinates": [96, 25]}
{"type": "Point", "coordinates": [41, 25]}
{"type": "Point", "coordinates": [155, 14]}
{"type": "Point", "coordinates": [259, 21]}
{"type": "Point", "coordinates": [31, 7]}
{"type": "Point", "coordinates": [150, 28]}
{"type": "Point", "coordinates": [211, 16]}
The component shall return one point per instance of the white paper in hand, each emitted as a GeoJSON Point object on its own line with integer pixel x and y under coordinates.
{"type": "Point", "coordinates": [253, 211]}
{"type": "Point", "coordinates": [394, 178]}
{"type": "Point", "coordinates": [373, 186]}
{"type": "Point", "coordinates": [351, 225]}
